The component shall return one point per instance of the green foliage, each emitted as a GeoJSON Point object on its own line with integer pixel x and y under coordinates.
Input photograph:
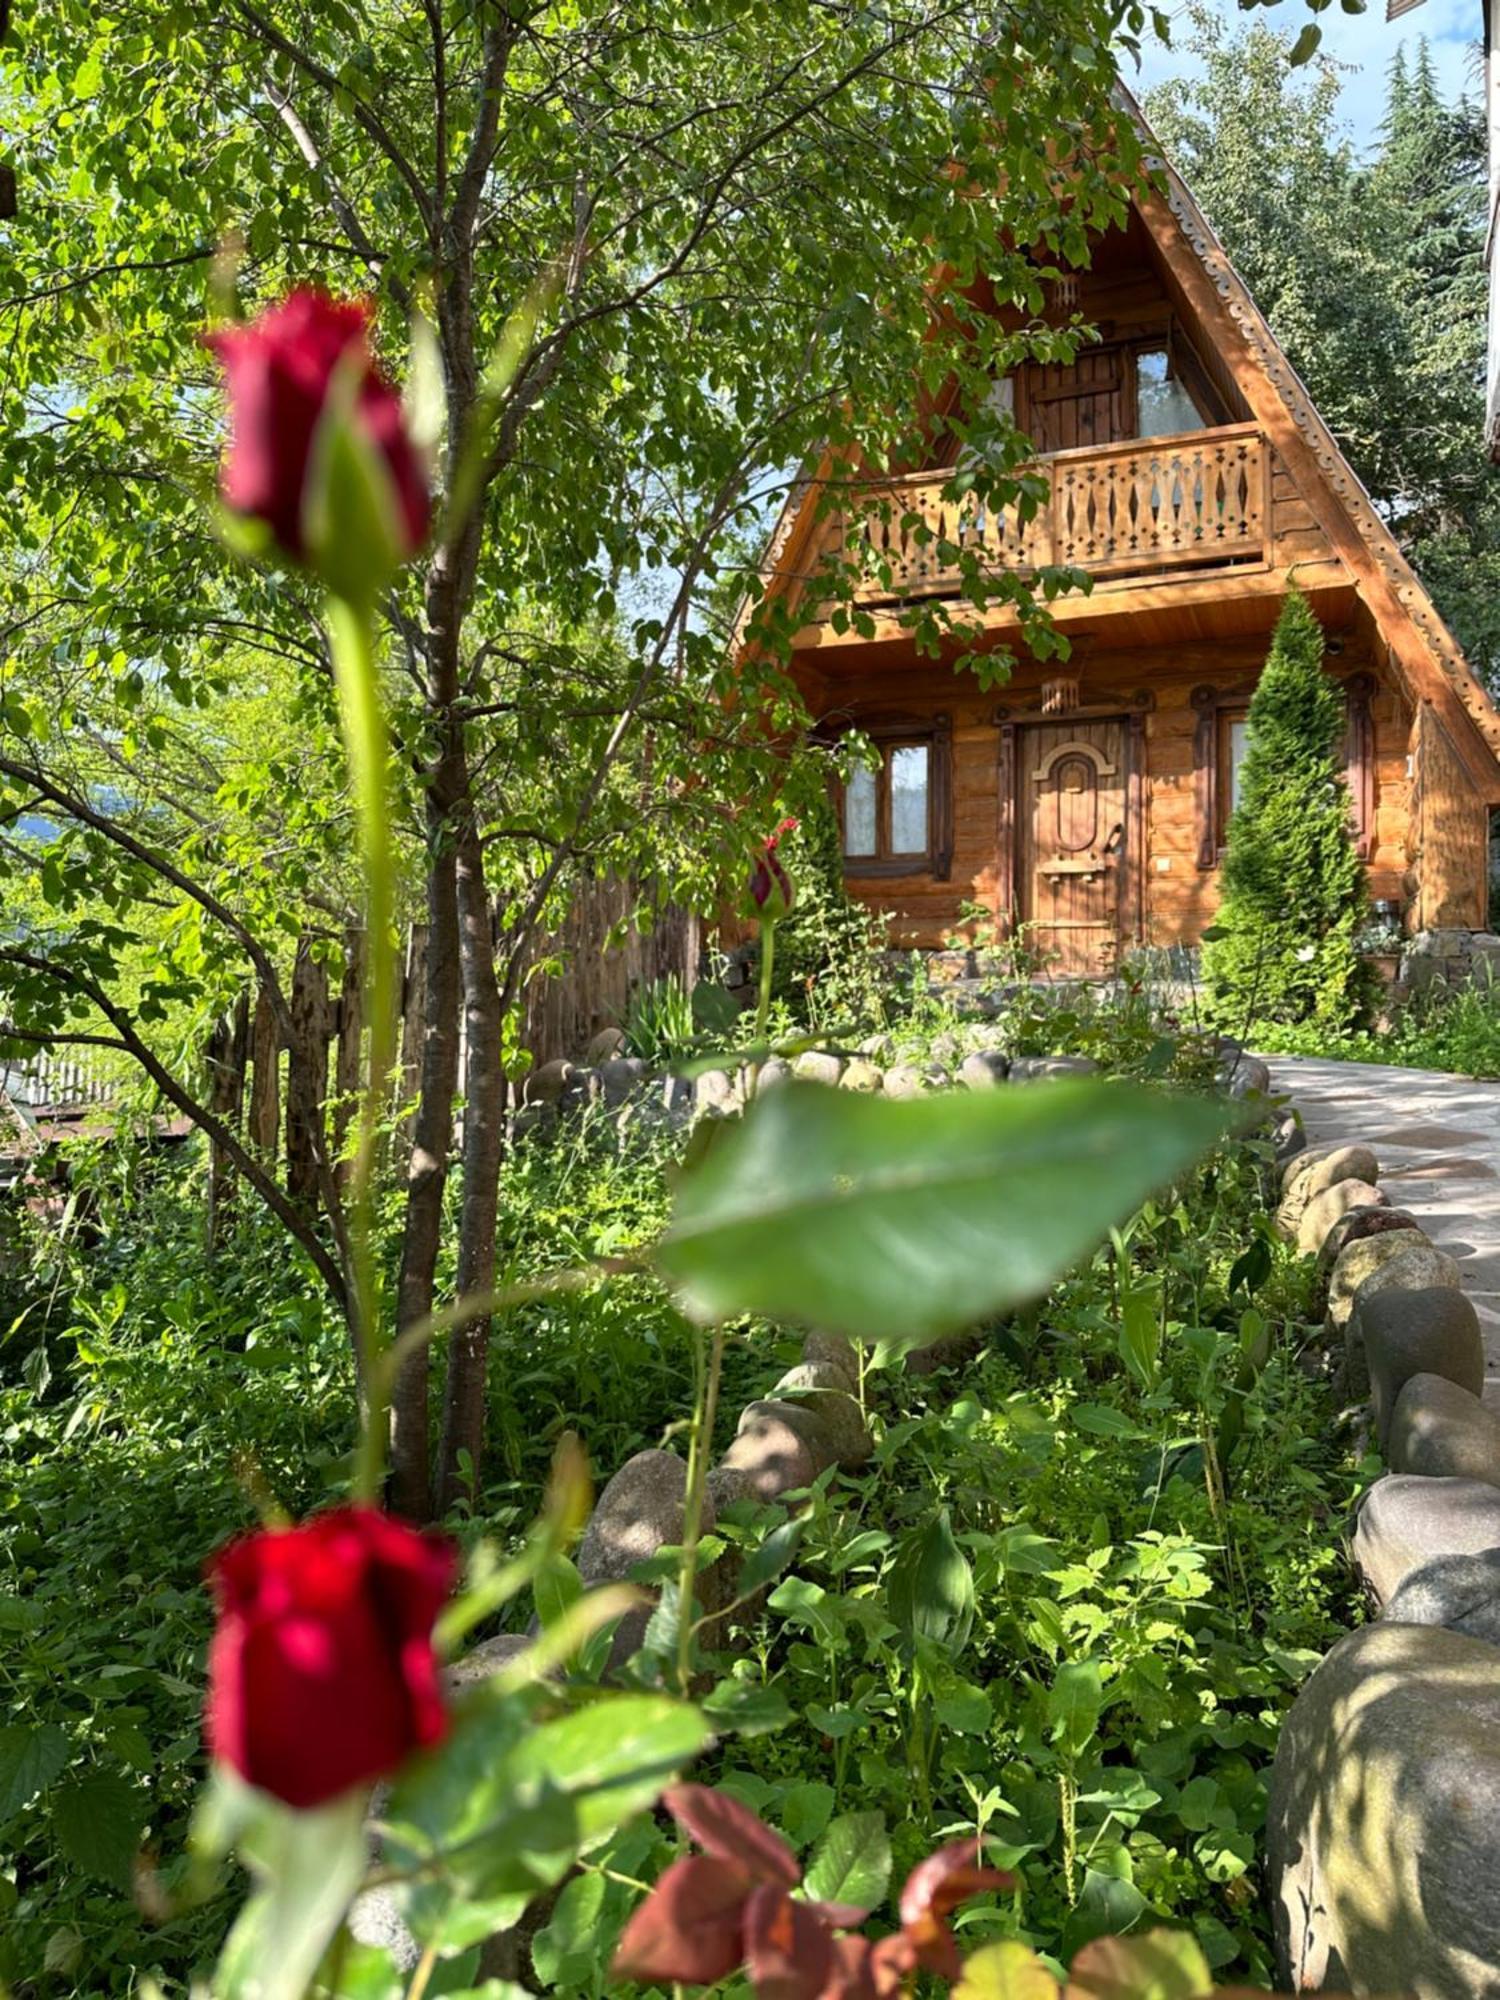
{"type": "Point", "coordinates": [828, 968]}
{"type": "Point", "coordinates": [1283, 945]}
{"type": "Point", "coordinates": [897, 1222]}
{"type": "Point", "coordinates": [1455, 1028]}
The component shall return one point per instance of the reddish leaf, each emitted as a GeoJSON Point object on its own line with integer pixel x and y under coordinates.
{"type": "Point", "coordinates": [892, 1963]}
{"type": "Point", "coordinates": [851, 1977]}
{"type": "Point", "coordinates": [788, 1951]}
{"type": "Point", "coordinates": [690, 1929]}
{"type": "Point", "coordinates": [839, 1916]}
{"type": "Point", "coordinates": [723, 1827]}
{"type": "Point", "coordinates": [934, 1889]}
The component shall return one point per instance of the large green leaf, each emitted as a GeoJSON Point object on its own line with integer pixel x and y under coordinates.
{"type": "Point", "coordinates": [930, 1592]}
{"type": "Point", "coordinates": [29, 1760]}
{"type": "Point", "coordinates": [98, 1819]}
{"type": "Point", "coordinates": [900, 1221]}
{"type": "Point", "coordinates": [852, 1863]}
{"type": "Point", "coordinates": [502, 1811]}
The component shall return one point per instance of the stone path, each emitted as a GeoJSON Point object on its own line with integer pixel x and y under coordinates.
{"type": "Point", "coordinates": [1437, 1138]}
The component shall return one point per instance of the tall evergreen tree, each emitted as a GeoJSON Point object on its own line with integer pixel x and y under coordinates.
{"type": "Point", "coordinates": [1372, 275]}
{"type": "Point", "coordinates": [1283, 945]}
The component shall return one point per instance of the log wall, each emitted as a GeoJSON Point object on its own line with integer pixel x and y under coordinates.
{"type": "Point", "coordinates": [1179, 896]}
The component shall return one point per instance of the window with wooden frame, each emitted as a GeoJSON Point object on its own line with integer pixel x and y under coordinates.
{"type": "Point", "coordinates": [1223, 737]}
{"type": "Point", "coordinates": [896, 819]}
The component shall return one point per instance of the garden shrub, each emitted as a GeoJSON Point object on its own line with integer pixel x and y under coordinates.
{"type": "Point", "coordinates": [1282, 947]}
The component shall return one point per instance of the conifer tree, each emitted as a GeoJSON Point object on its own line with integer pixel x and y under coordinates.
{"type": "Point", "coordinates": [1282, 947]}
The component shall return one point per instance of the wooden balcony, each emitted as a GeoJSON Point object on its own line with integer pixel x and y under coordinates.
{"type": "Point", "coordinates": [1150, 507]}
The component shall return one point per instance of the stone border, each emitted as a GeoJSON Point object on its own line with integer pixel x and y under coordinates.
{"type": "Point", "coordinates": [1383, 1823]}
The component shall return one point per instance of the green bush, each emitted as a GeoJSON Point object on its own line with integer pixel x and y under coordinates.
{"type": "Point", "coordinates": [1283, 946]}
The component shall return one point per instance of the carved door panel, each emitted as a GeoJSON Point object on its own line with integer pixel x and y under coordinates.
{"type": "Point", "coordinates": [1071, 781]}
{"type": "Point", "coordinates": [1075, 404]}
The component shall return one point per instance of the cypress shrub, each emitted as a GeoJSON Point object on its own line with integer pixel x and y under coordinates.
{"type": "Point", "coordinates": [1282, 947]}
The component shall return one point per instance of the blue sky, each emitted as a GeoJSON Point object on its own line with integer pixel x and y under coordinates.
{"type": "Point", "coordinates": [1362, 45]}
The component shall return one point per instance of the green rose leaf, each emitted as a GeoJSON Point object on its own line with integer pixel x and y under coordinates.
{"type": "Point", "coordinates": [852, 1862]}
{"type": "Point", "coordinates": [901, 1221]}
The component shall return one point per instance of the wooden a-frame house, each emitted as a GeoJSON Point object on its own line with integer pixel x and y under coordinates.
{"type": "Point", "coordinates": [1190, 475]}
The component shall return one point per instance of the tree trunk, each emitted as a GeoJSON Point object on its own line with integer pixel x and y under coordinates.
{"type": "Point", "coordinates": [227, 1050]}
{"type": "Point", "coordinates": [306, 1077]}
{"type": "Point", "coordinates": [347, 1050]}
{"type": "Point", "coordinates": [427, 1171]}
{"type": "Point", "coordinates": [264, 1121]}
{"type": "Point", "coordinates": [484, 1142]}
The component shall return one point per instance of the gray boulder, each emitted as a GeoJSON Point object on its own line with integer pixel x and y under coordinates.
{"type": "Point", "coordinates": [822, 1390]}
{"type": "Point", "coordinates": [487, 1658]}
{"type": "Point", "coordinates": [608, 1042]}
{"type": "Point", "coordinates": [1431, 1330]}
{"type": "Point", "coordinates": [1360, 1260]}
{"type": "Point", "coordinates": [1384, 1819]}
{"type": "Point", "coordinates": [1028, 1069]}
{"type": "Point", "coordinates": [833, 1350]}
{"type": "Point", "coordinates": [713, 1090]}
{"type": "Point", "coordinates": [1461, 1593]}
{"type": "Point", "coordinates": [534, 1121]}
{"type": "Point", "coordinates": [1444, 1431]}
{"type": "Point", "coordinates": [547, 1084]}
{"type": "Point", "coordinates": [773, 1071]}
{"type": "Point", "coordinates": [904, 1081]}
{"type": "Point", "coordinates": [641, 1510]}
{"type": "Point", "coordinates": [621, 1077]}
{"type": "Point", "coordinates": [1324, 1210]}
{"type": "Point", "coordinates": [983, 1069]}
{"type": "Point", "coordinates": [1344, 1163]}
{"type": "Point", "coordinates": [798, 1416]}
{"type": "Point", "coordinates": [818, 1066]}
{"type": "Point", "coordinates": [861, 1074]}
{"type": "Point", "coordinates": [1407, 1520]}
{"type": "Point", "coordinates": [767, 1459]}
{"type": "Point", "coordinates": [1069, 1066]}
{"type": "Point", "coordinates": [1289, 1138]}
{"type": "Point", "coordinates": [1355, 1224]}
{"type": "Point", "coordinates": [1248, 1077]}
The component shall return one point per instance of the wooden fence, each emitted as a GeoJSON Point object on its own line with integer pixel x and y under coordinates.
{"type": "Point", "coordinates": [291, 1097]}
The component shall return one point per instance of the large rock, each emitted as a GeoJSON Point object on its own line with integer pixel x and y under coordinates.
{"type": "Point", "coordinates": [861, 1074]}
{"type": "Point", "coordinates": [1429, 1330]}
{"type": "Point", "coordinates": [767, 1459]}
{"type": "Point", "coordinates": [833, 1350]}
{"type": "Point", "coordinates": [1344, 1163]}
{"type": "Point", "coordinates": [983, 1069]}
{"type": "Point", "coordinates": [1324, 1210]}
{"type": "Point", "coordinates": [1384, 1819]}
{"type": "Point", "coordinates": [621, 1077]}
{"type": "Point", "coordinates": [902, 1080]}
{"type": "Point", "coordinates": [1444, 1431]}
{"type": "Point", "coordinates": [1248, 1077]}
{"type": "Point", "coordinates": [822, 1389]}
{"type": "Point", "coordinates": [1289, 1138]}
{"type": "Point", "coordinates": [547, 1084]}
{"type": "Point", "coordinates": [488, 1657]}
{"type": "Point", "coordinates": [1360, 1260]}
{"type": "Point", "coordinates": [1461, 1593]}
{"type": "Point", "coordinates": [608, 1042]}
{"type": "Point", "coordinates": [1407, 1520]}
{"type": "Point", "coordinates": [1357, 1224]}
{"type": "Point", "coordinates": [818, 1066]}
{"type": "Point", "coordinates": [798, 1415]}
{"type": "Point", "coordinates": [713, 1090]}
{"type": "Point", "coordinates": [641, 1510]}
{"type": "Point", "coordinates": [773, 1071]}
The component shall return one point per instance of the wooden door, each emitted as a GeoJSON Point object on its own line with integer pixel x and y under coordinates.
{"type": "Point", "coordinates": [1076, 404]}
{"type": "Point", "coordinates": [1072, 816]}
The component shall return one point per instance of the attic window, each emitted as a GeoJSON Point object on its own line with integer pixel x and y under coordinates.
{"type": "Point", "coordinates": [1164, 406]}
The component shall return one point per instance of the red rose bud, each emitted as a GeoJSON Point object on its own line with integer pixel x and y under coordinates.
{"type": "Point", "coordinates": [319, 451]}
{"type": "Point", "coordinates": [770, 886]}
{"type": "Point", "coordinates": [321, 1673]}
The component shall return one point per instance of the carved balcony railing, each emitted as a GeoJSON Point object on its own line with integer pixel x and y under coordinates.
{"type": "Point", "coordinates": [1151, 506]}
